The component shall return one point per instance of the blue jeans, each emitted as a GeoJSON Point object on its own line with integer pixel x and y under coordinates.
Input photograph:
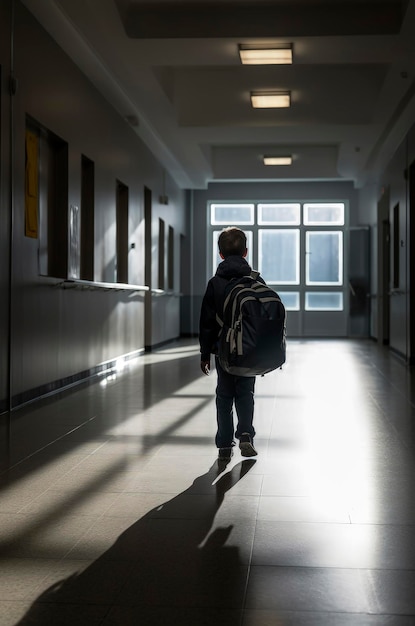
{"type": "Point", "coordinates": [239, 390]}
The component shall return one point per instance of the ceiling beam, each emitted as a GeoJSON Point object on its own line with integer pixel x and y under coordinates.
{"type": "Point", "coordinates": [149, 20]}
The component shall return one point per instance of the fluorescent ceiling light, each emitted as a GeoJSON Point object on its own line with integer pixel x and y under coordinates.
{"type": "Point", "coordinates": [266, 55]}
{"type": "Point", "coordinates": [278, 160]}
{"type": "Point", "coordinates": [270, 99]}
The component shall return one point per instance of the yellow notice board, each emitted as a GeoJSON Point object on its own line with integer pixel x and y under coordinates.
{"type": "Point", "coordinates": [32, 185]}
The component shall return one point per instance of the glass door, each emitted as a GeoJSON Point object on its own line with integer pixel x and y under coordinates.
{"type": "Point", "coordinates": [299, 250]}
{"type": "Point", "coordinates": [324, 280]}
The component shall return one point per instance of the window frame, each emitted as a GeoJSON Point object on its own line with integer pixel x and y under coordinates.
{"type": "Point", "coordinates": [298, 290]}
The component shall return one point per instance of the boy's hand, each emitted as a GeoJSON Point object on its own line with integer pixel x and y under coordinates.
{"type": "Point", "coordinates": [205, 367]}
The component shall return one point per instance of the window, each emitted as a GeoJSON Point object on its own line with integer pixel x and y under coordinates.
{"type": "Point", "coordinates": [170, 273]}
{"type": "Point", "coordinates": [122, 232]}
{"type": "Point", "coordinates": [297, 247]}
{"type": "Point", "coordinates": [74, 242]}
{"type": "Point", "coordinates": [47, 176]}
{"type": "Point", "coordinates": [57, 207]}
{"type": "Point", "coordinates": [323, 301]}
{"type": "Point", "coordinates": [232, 214]}
{"type": "Point", "coordinates": [161, 249]}
{"type": "Point", "coordinates": [87, 218]}
{"type": "Point", "coordinates": [291, 300]}
{"type": "Point", "coordinates": [32, 184]}
{"type": "Point", "coordinates": [278, 256]}
{"type": "Point", "coordinates": [324, 214]}
{"type": "Point", "coordinates": [324, 258]}
{"type": "Point", "coordinates": [396, 247]}
{"type": "Point", "coordinates": [279, 214]}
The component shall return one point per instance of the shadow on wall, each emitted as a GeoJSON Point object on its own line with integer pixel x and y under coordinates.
{"type": "Point", "coordinates": [171, 567]}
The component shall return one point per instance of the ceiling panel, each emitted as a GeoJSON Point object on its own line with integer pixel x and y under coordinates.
{"type": "Point", "coordinates": [173, 68]}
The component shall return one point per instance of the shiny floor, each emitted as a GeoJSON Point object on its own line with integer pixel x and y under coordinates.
{"type": "Point", "coordinates": [114, 511]}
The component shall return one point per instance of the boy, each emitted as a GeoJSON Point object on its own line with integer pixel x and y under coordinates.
{"type": "Point", "coordinates": [230, 390]}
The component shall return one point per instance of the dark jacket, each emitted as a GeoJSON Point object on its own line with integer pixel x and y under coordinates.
{"type": "Point", "coordinates": [231, 267]}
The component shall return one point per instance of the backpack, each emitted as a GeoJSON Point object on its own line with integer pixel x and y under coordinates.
{"type": "Point", "coordinates": [253, 328]}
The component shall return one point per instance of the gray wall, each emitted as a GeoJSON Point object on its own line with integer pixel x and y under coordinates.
{"type": "Point", "coordinates": [57, 333]}
{"type": "Point", "coordinates": [392, 186]}
{"type": "Point", "coordinates": [5, 213]}
{"type": "Point", "coordinates": [364, 210]}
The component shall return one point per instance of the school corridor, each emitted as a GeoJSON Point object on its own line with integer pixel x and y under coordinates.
{"type": "Point", "coordinates": [115, 513]}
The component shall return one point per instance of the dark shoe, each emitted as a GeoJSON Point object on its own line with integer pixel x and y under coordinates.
{"type": "Point", "coordinates": [225, 454]}
{"type": "Point", "coordinates": [246, 445]}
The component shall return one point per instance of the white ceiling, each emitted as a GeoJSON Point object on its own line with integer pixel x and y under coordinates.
{"type": "Point", "coordinates": [172, 70]}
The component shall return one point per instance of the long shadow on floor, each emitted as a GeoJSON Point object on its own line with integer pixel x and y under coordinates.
{"type": "Point", "coordinates": [39, 432]}
{"type": "Point", "coordinates": [171, 567]}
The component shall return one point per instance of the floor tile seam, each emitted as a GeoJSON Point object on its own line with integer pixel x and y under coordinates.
{"type": "Point", "coordinates": [399, 525]}
{"type": "Point", "coordinates": [169, 494]}
{"type": "Point", "coordinates": [325, 613]}
{"type": "Point", "coordinates": [34, 558]}
{"type": "Point", "coordinates": [61, 510]}
{"type": "Point", "coordinates": [177, 607]}
{"type": "Point", "coordinates": [341, 524]}
{"type": "Point", "coordinates": [37, 553]}
{"type": "Point", "coordinates": [271, 424]}
{"type": "Point", "coordinates": [401, 440]}
{"type": "Point", "coordinates": [142, 604]}
{"type": "Point", "coordinates": [287, 520]}
{"type": "Point", "coordinates": [35, 498]}
{"type": "Point", "coordinates": [288, 612]}
{"type": "Point", "coordinates": [107, 614]}
{"type": "Point", "coordinates": [68, 603]}
{"type": "Point", "coordinates": [119, 469]}
{"type": "Point", "coordinates": [45, 490]}
{"type": "Point", "coordinates": [251, 552]}
{"type": "Point", "coordinates": [48, 445]}
{"type": "Point", "coordinates": [377, 402]}
{"type": "Point", "coordinates": [39, 579]}
{"type": "Point", "coordinates": [305, 523]}
{"type": "Point", "coordinates": [28, 471]}
{"type": "Point", "coordinates": [21, 538]}
{"type": "Point", "coordinates": [347, 524]}
{"type": "Point", "coordinates": [120, 591]}
{"type": "Point", "coordinates": [82, 536]}
{"type": "Point", "coordinates": [385, 376]}
{"type": "Point", "coordinates": [331, 568]}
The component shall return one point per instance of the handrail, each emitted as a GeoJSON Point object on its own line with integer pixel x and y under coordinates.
{"type": "Point", "coordinates": [396, 292]}
{"type": "Point", "coordinates": [165, 292]}
{"type": "Point", "coordinates": [78, 283]}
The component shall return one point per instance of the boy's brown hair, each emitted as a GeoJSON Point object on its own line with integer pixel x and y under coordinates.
{"type": "Point", "coordinates": [232, 241]}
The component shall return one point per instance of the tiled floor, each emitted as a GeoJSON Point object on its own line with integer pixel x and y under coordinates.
{"type": "Point", "coordinates": [114, 511]}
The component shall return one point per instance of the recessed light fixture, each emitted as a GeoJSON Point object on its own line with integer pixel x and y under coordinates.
{"type": "Point", "coordinates": [270, 99]}
{"type": "Point", "coordinates": [278, 160]}
{"type": "Point", "coordinates": [263, 54]}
